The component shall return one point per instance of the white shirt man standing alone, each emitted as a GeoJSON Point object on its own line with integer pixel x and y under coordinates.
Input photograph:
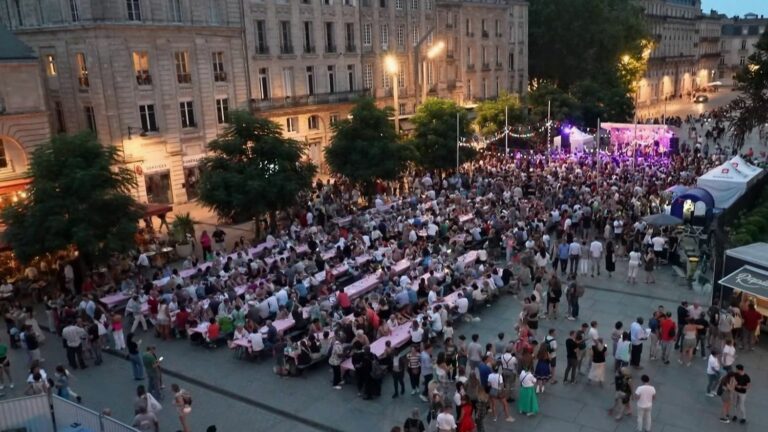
{"type": "Point", "coordinates": [645, 394]}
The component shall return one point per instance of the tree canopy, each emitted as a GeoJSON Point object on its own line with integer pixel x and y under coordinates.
{"type": "Point", "coordinates": [365, 147]}
{"type": "Point", "coordinates": [79, 196]}
{"type": "Point", "coordinates": [595, 45]}
{"type": "Point", "coordinates": [490, 113]}
{"type": "Point", "coordinates": [749, 111]}
{"type": "Point", "coordinates": [434, 137]}
{"type": "Point", "coordinates": [253, 170]}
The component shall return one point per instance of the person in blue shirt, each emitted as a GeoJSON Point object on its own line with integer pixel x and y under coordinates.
{"type": "Point", "coordinates": [562, 254]}
{"type": "Point", "coordinates": [484, 370]}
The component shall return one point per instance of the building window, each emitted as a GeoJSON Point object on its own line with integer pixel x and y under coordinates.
{"type": "Point", "coordinates": [310, 80]}
{"type": "Point", "coordinates": [428, 5]}
{"type": "Point", "coordinates": [222, 110]}
{"type": "Point", "coordinates": [313, 122]}
{"type": "Point", "coordinates": [330, 39]}
{"type": "Point", "coordinates": [328, 2]}
{"type": "Point", "coordinates": [59, 111]}
{"type": "Point", "coordinates": [485, 88]}
{"type": "Point", "coordinates": [74, 10]}
{"type": "Point", "coordinates": [147, 118]}
{"type": "Point", "coordinates": [218, 67]}
{"type": "Point", "coordinates": [187, 114]}
{"type": "Point", "coordinates": [469, 27]}
{"type": "Point", "coordinates": [261, 37]}
{"type": "Point", "coordinates": [288, 82]}
{"type": "Point", "coordinates": [292, 124]}
{"type": "Point", "coordinates": [367, 34]}
{"type": "Point", "coordinates": [399, 4]}
{"type": "Point", "coordinates": [50, 65]}
{"type": "Point", "coordinates": [384, 36]}
{"type": "Point", "coordinates": [351, 77]}
{"type": "Point", "coordinates": [386, 79]}
{"type": "Point", "coordinates": [498, 28]}
{"type": "Point", "coordinates": [333, 119]}
{"type": "Point", "coordinates": [309, 43]}
{"type": "Point", "coordinates": [175, 10]}
{"type": "Point", "coordinates": [469, 56]}
{"type": "Point", "coordinates": [349, 37]}
{"type": "Point", "coordinates": [383, 4]}
{"type": "Point", "coordinates": [3, 159]}
{"type": "Point", "coordinates": [415, 34]}
{"type": "Point", "coordinates": [213, 11]}
{"type": "Point", "coordinates": [367, 76]}
{"type": "Point", "coordinates": [286, 44]}
{"type": "Point", "coordinates": [19, 13]}
{"type": "Point", "coordinates": [331, 79]}
{"type": "Point", "coordinates": [414, 4]}
{"type": "Point", "coordinates": [82, 71]}
{"type": "Point", "coordinates": [401, 109]}
{"type": "Point", "coordinates": [264, 83]}
{"type": "Point", "coordinates": [401, 75]}
{"type": "Point", "coordinates": [742, 61]}
{"type": "Point", "coordinates": [141, 67]}
{"type": "Point", "coordinates": [182, 67]}
{"type": "Point", "coordinates": [90, 118]}
{"type": "Point", "coordinates": [401, 36]}
{"type": "Point", "coordinates": [743, 44]}
{"type": "Point", "coordinates": [134, 10]}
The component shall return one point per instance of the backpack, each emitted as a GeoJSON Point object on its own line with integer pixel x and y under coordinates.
{"type": "Point", "coordinates": [548, 343]}
{"type": "Point", "coordinates": [672, 333]}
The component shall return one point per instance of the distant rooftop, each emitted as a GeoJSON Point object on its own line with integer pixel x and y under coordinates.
{"type": "Point", "coordinates": [11, 48]}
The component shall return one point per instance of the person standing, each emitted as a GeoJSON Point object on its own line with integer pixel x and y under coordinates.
{"type": "Point", "coordinates": [595, 253]}
{"type": "Point", "coordinates": [399, 365]}
{"type": "Point", "coordinates": [527, 402]}
{"type": "Point", "coordinates": [649, 265]}
{"type": "Point", "coordinates": [727, 390]}
{"type": "Point", "coordinates": [634, 266]}
{"type": "Point", "coordinates": [752, 320]}
{"type": "Point", "coordinates": [597, 371]}
{"type": "Point", "coordinates": [713, 373]}
{"type": "Point", "coordinates": [74, 335]}
{"type": "Point", "coordinates": [610, 258]}
{"type": "Point", "coordinates": [496, 393]}
{"type": "Point", "coordinates": [682, 320]}
{"type": "Point", "coordinates": [743, 382]}
{"type": "Point", "coordinates": [335, 360]}
{"type": "Point", "coordinates": [135, 357]}
{"type": "Point", "coordinates": [152, 370]}
{"type": "Point", "coordinates": [572, 357]}
{"type": "Point", "coordinates": [637, 337]}
{"type": "Point", "coordinates": [667, 330]}
{"type": "Point", "coordinates": [218, 238]}
{"type": "Point", "coordinates": [623, 395]}
{"type": "Point", "coordinates": [445, 420]}
{"type": "Point", "coordinates": [551, 344]}
{"type": "Point", "coordinates": [182, 400]}
{"type": "Point", "coordinates": [645, 394]}
{"type": "Point", "coordinates": [425, 364]}
{"type": "Point", "coordinates": [5, 366]}
{"type": "Point", "coordinates": [729, 355]}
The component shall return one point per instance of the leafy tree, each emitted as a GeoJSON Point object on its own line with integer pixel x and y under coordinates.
{"type": "Point", "coordinates": [434, 137]}
{"type": "Point", "coordinates": [564, 106]}
{"type": "Point", "coordinates": [749, 111]}
{"type": "Point", "coordinates": [254, 170]}
{"type": "Point", "coordinates": [79, 196]}
{"type": "Point", "coordinates": [490, 113]}
{"type": "Point", "coordinates": [365, 147]}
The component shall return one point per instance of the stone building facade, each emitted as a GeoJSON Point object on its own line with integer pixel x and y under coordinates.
{"type": "Point", "coordinates": [738, 39]}
{"type": "Point", "coordinates": [24, 120]}
{"type": "Point", "coordinates": [156, 77]}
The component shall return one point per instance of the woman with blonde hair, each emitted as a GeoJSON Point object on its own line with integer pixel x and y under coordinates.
{"type": "Point", "coordinates": [597, 371]}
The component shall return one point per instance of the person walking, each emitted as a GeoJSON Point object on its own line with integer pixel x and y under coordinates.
{"type": "Point", "coordinates": [597, 371]}
{"type": "Point", "coordinates": [645, 394]}
{"type": "Point", "coordinates": [527, 401]}
{"type": "Point", "coordinates": [496, 387]}
{"type": "Point", "coordinates": [61, 379]}
{"type": "Point", "coordinates": [74, 335]}
{"type": "Point", "coordinates": [135, 357]}
{"type": "Point", "coordinates": [713, 373]}
{"type": "Point", "coordinates": [623, 395]}
{"type": "Point", "coordinates": [182, 400]}
{"type": "Point", "coordinates": [634, 266]}
{"type": "Point", "coordinates": [727, 391]}
{"type": "Point", "coordinates": [637, 337]}
{"type": "Point", "coordinates": [399, 365]}
{"type": "Point", "coordinates": [152, 369]}
{"type": "Point", "coordinates": [743, 382]}
{"type": "Point", "coordinates": [5, 367]}
{"type": "Point", "coordinates": [572, 357]}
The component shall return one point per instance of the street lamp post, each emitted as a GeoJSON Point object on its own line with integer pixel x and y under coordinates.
{"type": "Point", "coordinates": [391, 66]}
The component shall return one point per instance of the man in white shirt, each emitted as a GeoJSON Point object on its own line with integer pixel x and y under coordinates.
{"type": "Point", "coordinates": [462, 304]}
{"type": "Point", "coordinates": [729, 355]}
{"type": "Point", "coordinates": [574, 252]}
{"type": "Point", "coordinates": [257, 341]}
{"type": "Point", "coordinates": [658, 246]}
{"type": "Point", "coordinates": [645, 394]}
{"type": "Point", "coordinates": [445, 420]}
{"type": "Point", "coordinates": [713, 373]}
{"type": "Point", "coordinates": [595, 254]}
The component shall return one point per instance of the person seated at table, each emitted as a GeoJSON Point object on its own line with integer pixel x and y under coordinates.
{"type": "Point", "coordinates": [257, 342]}
{"type": "Point", "coordinates": [213, 332]}
{"type": "Point", "coordinates": [384, 330]}
{"type": "Point", "coordinates": [240, 334]}
{"type": "Point", "coordinates": [270, 335]}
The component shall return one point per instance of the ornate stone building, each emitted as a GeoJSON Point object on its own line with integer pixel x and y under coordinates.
{"type": "Point", "coordinates": [738, 39]}
{"type": "Point", "coordinates": [24, 121]}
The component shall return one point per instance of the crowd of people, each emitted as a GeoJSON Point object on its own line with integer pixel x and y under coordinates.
{"type": "Point", "coordinates": [535, 225]}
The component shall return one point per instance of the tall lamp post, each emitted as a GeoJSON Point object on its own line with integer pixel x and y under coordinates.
{"type": "Point", "coordinates": [392, 68]}
{"type": "Point", "coordinates": [433, 52]}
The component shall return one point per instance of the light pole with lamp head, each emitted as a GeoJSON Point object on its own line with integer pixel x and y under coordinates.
{"type": "Point", "coordinates": [392, 68]}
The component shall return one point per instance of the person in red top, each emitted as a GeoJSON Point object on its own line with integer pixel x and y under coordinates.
{"type": "Point", "coordinates": [752, 320]}
{"type": "Point", "coordinates": [153, 303]}
{"type": "Point", "coordinates": [343, 299]}
{"type": "Point", "coordinates": [213, 330]}
{"type": "Point", "coordinates": [667, 334]}
{"type": "Point", "coordinates": [181, 322]}
{"type": "Point", "coordinates": [87, 285]}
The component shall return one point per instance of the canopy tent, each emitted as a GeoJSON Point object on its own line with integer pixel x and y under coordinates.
{"type": "Point", "coordinates": [729, 181]}
{"type": "Point", "coordinates": [662, 219]}
{"type": "Point", "coordinates": [577, 139]}
{"type": "Point", "coordinates": [677, 190]}
{"type": "Point", "coordinates": [684, 206]}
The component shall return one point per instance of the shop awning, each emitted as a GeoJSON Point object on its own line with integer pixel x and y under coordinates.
{"type": "Point", "coordinates": [16, 185]}
{"type": "Point", "coordinates": [748, 279]}
{"type": "Point", "coordinates": [156, 209]}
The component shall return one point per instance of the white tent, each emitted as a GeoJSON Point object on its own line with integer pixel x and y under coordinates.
{"type": "Point", "coordinates": [729, 181]}
{"type": "Point", "coordinates": [579, 141]}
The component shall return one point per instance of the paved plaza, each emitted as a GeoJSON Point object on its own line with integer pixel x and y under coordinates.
{"type": "Point", "coordinates": [238, 395]}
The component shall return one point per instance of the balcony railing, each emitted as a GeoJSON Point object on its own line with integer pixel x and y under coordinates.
{"type": "Point", "coordinates": [330, 49]}
{"type": "Point", "coordinates": [449, 54]}
{"type": "Point", "coordinates": [220, 76]}
{"type": "Point", "coordinates": [309, 49]}
{"type": "Point", "coordinates": [316, 99]}
{"type": "Point", "coordinates": [485, 34]}
{"type": "Point", "coordinates": [499, 66]}
{"type": "Point", "coordinates": [486, 66]}
{"type": "Point", "coordinates": [286, 49]}
{"type": "Point", "coordinates": [143, 78]}
{"type": "Point", "coordinates": [350, 48]}
{"type": "Point", "coordinates": [262, 49]}
{"type": "Point", "coordinates": [84, 82]}
{"type": "Point", "coordinates": [184, 78]}
{"type": "Point", "coordinates": [470, 67]}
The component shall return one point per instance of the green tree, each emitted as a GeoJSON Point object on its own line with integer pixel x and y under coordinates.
{"type": "Point", "coordinates": [434, 137]}
{"type": "Point", "coordinates": [79, 196]}
{"type": "Point", "coordinates": [365, 147]}
{"type": "Point", "coordinates": [749, 111]}
{"type": "Point", "coordinates": [490, 113]}
{"type": "Point", "coordinates": [254, 171]}
{"type": "Point", "coordinates": [564, 106]}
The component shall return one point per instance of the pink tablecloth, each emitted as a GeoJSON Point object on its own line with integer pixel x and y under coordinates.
{"type": "Point", "coordinates": [399, 337]}
{"type": "Point", "coordinates": [363, 286]}
{"type": "Point", "coordinates": [468, 258]}
{"type": "Point", "coordinates": [113, 300]}
{"type": "Point", "coordinates": [465, 218]}
{"type": "Point", "coordinates": [401, 266]}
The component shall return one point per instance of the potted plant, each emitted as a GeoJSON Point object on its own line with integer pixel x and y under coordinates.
{"type": "Point", "coordinates": [183, 228]}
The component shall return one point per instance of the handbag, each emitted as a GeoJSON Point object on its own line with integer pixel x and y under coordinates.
{"type": "Point", "coordinates": [153, 406]}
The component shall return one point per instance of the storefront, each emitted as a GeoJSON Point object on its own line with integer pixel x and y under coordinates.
{"type": "Point", "coordinates": [190, 164]}
{"type": "Point", "coordinates": [746, 270]}
{"type": "Point", "coordinates": [157, 181]}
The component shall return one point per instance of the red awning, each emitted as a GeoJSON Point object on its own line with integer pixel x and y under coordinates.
{"type": "Point", "coordinates": [16, 185]}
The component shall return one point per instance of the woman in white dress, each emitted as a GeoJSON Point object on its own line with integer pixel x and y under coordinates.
{"type": "Point", "coordinates": [634, 266]}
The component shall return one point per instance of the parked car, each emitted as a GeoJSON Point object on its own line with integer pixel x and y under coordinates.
{"type": "Point", "coordinates": [702, 98]}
